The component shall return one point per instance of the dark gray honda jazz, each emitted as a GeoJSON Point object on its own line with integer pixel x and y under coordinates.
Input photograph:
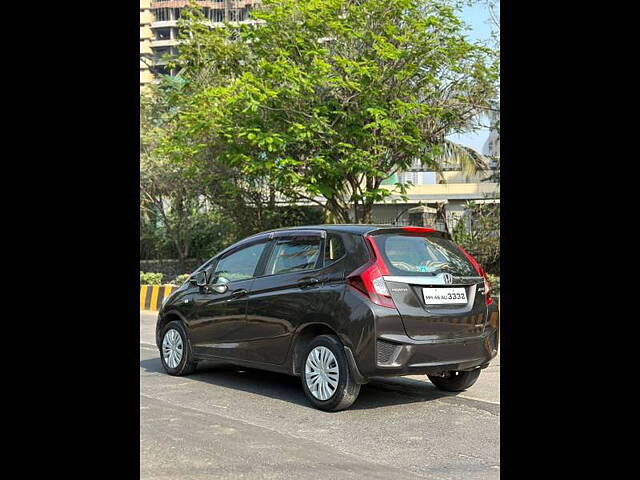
{"type": "Point", "coordinates": [336, 305]}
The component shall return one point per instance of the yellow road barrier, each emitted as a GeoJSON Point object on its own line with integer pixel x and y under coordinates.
{"type": "Point", "coordinates": [151, 296]}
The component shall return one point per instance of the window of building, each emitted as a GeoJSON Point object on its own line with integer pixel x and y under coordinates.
{"type": "Point", "coordinates": [161, 14]}
{"type": "Point", "coordinates": [163, 33]}
{"type": "Point", "coordinates": [160, 70]}
{"type": "Point", "coordinates": [216, 15]}
{"type": "Point", "coordinates": [162, 54]}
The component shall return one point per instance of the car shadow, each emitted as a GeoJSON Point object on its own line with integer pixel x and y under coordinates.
{"type": "Point", "coordinates": [378, 393]}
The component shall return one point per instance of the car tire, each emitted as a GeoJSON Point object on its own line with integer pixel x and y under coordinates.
{"type": "Point", "coordinates": [340, 395]}
{"type": "Point", "coordinates": [457, 381]}
{"type": "Point", "coordinates": [177, 341]}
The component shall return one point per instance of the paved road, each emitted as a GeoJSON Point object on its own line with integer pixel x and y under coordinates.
{"type": "Point", "coordinates": [223, 422]}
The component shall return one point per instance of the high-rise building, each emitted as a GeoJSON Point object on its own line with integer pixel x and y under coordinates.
{"type": "Point", "coordinates": [164, 30]}
{"type": "Point", "coordinates": [146, 19]}
{"type": "Point", "coordinates": [491, 147]}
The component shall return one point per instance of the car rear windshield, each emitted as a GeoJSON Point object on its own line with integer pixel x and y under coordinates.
{"type": "Point", "coordinates": [419, 255]}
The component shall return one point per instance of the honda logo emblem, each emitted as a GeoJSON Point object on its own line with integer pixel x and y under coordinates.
{"type": "Point", "coordinates": [448, 278]}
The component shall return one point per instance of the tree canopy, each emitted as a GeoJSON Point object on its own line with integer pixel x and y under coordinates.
{"type": "Point", "coordinates": [322, 100]}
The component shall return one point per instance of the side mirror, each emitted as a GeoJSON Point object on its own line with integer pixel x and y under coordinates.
{"type": "Point", "coordinates": [199, 278]}
{"type": "Point", "coordinates": [221, 285]}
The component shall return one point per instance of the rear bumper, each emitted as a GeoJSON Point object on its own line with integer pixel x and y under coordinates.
{"type": "Point", "coordinates": [401, 355]}
{"type": "Point", "coordinates": [377, 344]}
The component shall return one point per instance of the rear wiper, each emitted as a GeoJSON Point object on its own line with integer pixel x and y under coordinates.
{"type": "Point", "coordinates": [445, 269]}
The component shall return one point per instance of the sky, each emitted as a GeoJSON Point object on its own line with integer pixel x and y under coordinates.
{"type": "Point", "coordinates": [477, 17]}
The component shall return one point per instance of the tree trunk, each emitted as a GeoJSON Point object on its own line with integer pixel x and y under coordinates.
{"type": "Point", "coordinates": [181, 259]}
{"type": "Point", "coordinates": [366, 213]}
{"type": "Point", "coordinates": [340, 214]}
{"type": "Point", "coordinates": [442, 215]}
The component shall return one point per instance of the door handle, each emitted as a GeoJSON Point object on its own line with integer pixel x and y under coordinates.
{"type": "Point", "coordinates": [308, 282]}
{"type": "Point", "coordinates": [241, 292]}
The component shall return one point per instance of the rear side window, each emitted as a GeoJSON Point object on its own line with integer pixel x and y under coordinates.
{"type": "Point", "coordinates": [293, 255]}
{"type": "Point", "coordinates": [334, 249]}
{"type": "Point", "coordinates": [417, 255]}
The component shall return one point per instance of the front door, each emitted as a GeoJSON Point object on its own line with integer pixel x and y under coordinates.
{"type": "Point", "coordinates": [219, 329]}
{"type": "Point", "coordinates": [282, 296]}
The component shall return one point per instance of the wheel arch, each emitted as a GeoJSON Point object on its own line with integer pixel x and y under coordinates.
{"type": "Point", "coordinates": [303, 336]}
{"type": "Point", "coordinates": [167, 317]}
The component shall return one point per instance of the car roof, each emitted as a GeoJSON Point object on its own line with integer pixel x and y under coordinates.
{"type": "Point", "coordinates": [354, 228]}
{"type": "Point", "coordinates": [351, 228]}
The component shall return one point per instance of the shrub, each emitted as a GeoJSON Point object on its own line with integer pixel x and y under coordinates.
{"type": "Point", "coordinates": [478, 232]}
{"type": "Point", "coordinates": [150, 278]}
{"type": "Point", "coordinates": [180, 279]}
{"type": "Point", "coordinates": [494, 281]}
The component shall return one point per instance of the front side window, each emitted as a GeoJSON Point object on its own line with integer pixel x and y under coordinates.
{"type": "Point", "coordinates": [240, 265]}
{"type": "Point", "coordinates": [417, 255]}
{"type": "Point", "coordinates": [293, 255]}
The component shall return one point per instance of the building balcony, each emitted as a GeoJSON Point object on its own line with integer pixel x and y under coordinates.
{"type": "Point", "coordinates": [202, 3]}
{"type": "Point", "coordinates": [163, 43]}
{"type": "Point", "coordinates": [164, 24]}
{"type": "Point", "coordinates": [160, 61]}
{"type": "Point", "coordinates": [449, 191]}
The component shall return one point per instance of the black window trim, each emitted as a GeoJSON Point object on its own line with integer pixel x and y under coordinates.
{"type": "Point", "coordinates": [262, 264]}
{"type": "Point", "coordinates": [231, 248]}
{"type": "Point", "coordinates": [326, 245]}
{"type": "Point", "coordinates": [234, 249]}
{"type": "Point", "coordinates": [270, 238]}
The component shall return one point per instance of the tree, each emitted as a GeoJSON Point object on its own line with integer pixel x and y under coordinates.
{"type": "Point", "coordinates": [327, 98]}
{"type": "Point", "coordinates": [169, 196]}
{"type": "Point", "coordinates": [194, 212]}
{"type": "Point", "coordinates": [493, 7]}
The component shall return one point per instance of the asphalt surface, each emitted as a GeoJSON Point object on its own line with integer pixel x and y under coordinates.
{"type": "Point", "coordinates": [225, 422]}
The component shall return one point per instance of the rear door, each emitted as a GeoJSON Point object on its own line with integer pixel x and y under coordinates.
{"type": "Point", "coordinates": [437, 291]}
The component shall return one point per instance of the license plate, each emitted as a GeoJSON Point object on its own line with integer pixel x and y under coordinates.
{"type": "Point", "coordinates": [444, 296]}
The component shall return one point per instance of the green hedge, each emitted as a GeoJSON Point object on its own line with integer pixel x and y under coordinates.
{"type": "Point", "coordinates": [150, 278]}
{"type": "Point", "coordinates": [180, 279]}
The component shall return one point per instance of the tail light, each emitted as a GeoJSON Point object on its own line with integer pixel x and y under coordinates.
{"type": "Point", "coordinates": [368, 279]}
{"type": "Point", "coordinates": [418, 229]}
{"type": "Point", "coordinates": [487, 286]}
